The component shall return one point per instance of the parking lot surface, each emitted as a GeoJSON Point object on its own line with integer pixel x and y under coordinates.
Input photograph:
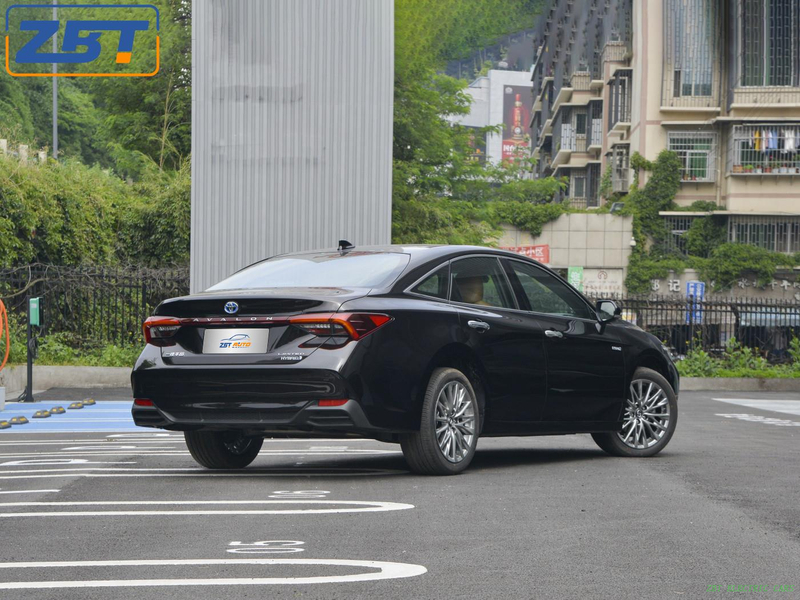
{"type": "Point", "coordinates": [93, 507]}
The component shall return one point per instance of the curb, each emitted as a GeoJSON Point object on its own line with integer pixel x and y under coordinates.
{"type": "Point", "coordinates": [45, 377]}
{"type": "Point", "coordinates": [738, 384]}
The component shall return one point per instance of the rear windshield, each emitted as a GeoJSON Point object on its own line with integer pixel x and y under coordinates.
{"type": "Point", "coordinates": [354, 269]}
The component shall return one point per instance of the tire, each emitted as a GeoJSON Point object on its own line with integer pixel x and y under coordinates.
{"type": "Point", "coordinates": [429, 454]}
{"type": "Point", "coordinates": [649, 418]}
{"type": "Point", "coordinates": [222, 449]}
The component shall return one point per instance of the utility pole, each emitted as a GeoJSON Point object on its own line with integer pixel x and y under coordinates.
{"type": "Point", "coordinates": [55, 85]}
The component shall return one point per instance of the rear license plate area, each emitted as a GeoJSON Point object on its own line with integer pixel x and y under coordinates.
{"type": "Point", "coordinates": [235, 341]}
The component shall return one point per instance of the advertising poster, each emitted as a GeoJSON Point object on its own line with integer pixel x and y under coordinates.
{"type": "Point", "coordinates": [575, 277]}
{"type": "Point", "coordinates": [517, 104]}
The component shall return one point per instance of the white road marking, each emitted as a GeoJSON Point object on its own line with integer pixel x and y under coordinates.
{"type": "Point", "coordinates": [29, 491]}
{"type": "Point", "coordinates": [57, 461]}
{"type": "Point", "coordinates": [321, 471]}
{"type": "Point", "coordinates": [100, 442]}
{"type": "Point", "coordinates": [760, 419]}
{"type": "Point", "coordinates": [386, 570]}
{"type": "Point", "coordinates": [108, 447]}
{"type": "Point", "coordinates": [110, 452]}
{"type": "Point", "coordinates": [266, 547]}
{"type": "Point", "coordinates": [789, 407]}
{"type": "Point", "coordinates": [352, 506]}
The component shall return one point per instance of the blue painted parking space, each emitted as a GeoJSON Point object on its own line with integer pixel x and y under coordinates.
{"type": "Point", "coordinates": [100, 417]}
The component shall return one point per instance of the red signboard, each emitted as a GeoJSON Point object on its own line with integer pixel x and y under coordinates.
{"type": "Point", "coordinates": [540, 253]}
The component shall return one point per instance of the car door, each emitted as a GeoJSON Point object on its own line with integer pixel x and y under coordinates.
{"type": "Point", "coordinates": [585, 364]}
{"type": "Point", "coordinates": [509, 344]}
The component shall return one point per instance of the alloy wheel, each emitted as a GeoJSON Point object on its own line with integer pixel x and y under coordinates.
{"type": "Point", "coordinates": [647, 415]}
{"type": "Point", "coordinates": [237, 444]}
{"type": "Point", "coordinates": [455, 421]}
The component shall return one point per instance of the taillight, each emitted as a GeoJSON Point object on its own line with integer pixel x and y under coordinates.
{"type": "Point", "coordinates": [159, 331]}
{"type": "Point", "coordinates": [351, 326]}
{"type": "Point", "coordinates": [143, 402]}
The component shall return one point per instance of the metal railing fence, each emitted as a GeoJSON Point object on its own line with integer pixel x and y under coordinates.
{"type": "Point", "coordinates": [687, 323]}
{"type": "Point", "coordinates": [97, 305]}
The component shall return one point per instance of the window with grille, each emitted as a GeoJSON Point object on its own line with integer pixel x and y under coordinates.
{"type": "Point", "coordinates": [677, 228]}
{"type": "Point", "coordinates": [772, 233]}
{"type": "Point", "coordinates": [620, 173]}
{"type": "Point", "coordinates": [691, 44]}
{"type": "Point", "coordinates": [580, 123]}
{"type": "Point", "coordinates": [697, 152]}
{"type": "Point", "coordinates": [578, 186]}
{"type": "Point", "coordinates": [769, 45]}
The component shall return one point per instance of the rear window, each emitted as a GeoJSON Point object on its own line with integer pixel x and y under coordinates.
{"type": "Point", "coordinates": [354, 269]}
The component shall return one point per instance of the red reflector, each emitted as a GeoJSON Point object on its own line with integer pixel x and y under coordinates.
{"type": "Point", "coordinates": [333, 402]}
{"type": "Point", "coordinates": [143, 402]}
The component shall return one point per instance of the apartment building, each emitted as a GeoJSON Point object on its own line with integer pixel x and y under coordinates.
{"type": "Point", "coordinates": [717, 81]}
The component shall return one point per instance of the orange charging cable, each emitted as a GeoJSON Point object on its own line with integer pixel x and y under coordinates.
{"type": "Point", "coordinates": [4, 330]}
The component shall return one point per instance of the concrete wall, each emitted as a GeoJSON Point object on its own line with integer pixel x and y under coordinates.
{"type": "Point", "coordinates": [291, 129]}
{"type": "Point", "coordinates": [600, 243]}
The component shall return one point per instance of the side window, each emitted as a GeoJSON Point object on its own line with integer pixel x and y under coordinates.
{"type": "Point", "coordinates": [546, 294]}
{"type": "Point", "coordinates": [480, 281]}
{"type": "Point", "coordinates": [435, 285]}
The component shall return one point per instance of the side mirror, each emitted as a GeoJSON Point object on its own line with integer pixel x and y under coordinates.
{"type": "Point", "coordinates": [607, 310]}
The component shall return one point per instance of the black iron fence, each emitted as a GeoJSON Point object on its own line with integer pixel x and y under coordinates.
{"type": "Point", "coordinates": [95, 304]}
{"type": "Point", "coordinates": [685, 323]}
{"type": "Point", "coordinates": [107, 305]}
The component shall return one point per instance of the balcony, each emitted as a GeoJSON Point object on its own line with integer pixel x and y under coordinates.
{"type": "Point", "coordinates": [766, 149]}
{"type": "Point", "coordinates": [766, 97]}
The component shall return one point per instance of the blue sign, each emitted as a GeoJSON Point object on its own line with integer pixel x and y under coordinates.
{"type": "Point", "coordinates": [695, 294]}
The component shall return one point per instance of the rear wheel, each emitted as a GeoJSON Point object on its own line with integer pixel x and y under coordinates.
{"type": "Point", "coordinates": [649, 419]}
{"type": "Point", "coordinates": [448, 435]}
{"type": "Point", "coordinates": [222, 449]}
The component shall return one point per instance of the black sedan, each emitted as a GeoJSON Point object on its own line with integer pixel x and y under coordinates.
{"type": "Point", "coordinates": [428, 346]}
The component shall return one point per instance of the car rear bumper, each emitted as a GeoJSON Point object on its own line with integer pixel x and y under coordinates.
{"type": "Point", "coordinates": [348, 419]}
{"type": "Point", "coordinates": [259, 400]}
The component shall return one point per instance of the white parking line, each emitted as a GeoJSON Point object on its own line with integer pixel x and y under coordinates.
{"type": "Point", "coordinates": [303, 472]}
{"type": "Point", "coordinates": [298, 452]}
{"type": "Point", "coordinates": [385, 570]}
{"type": "Point", "coordinates": [351, 506]}
{"type": "Point", "coordinates": [789, 407]}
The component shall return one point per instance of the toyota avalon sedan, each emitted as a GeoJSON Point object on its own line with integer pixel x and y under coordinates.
{"type": "Point", "coordinates": [430, 347]}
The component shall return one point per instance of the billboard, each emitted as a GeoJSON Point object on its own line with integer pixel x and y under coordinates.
{"type": "Point", "coordinates": [540, 252]}
{"type": "Point", "coordinates": [517, 104]}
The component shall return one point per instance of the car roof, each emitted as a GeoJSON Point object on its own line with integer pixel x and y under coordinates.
{"type": "Point", "coordinates": [418, 253]}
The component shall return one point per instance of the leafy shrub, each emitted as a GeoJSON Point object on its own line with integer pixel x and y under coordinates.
{"type": "Point", "coordinates": [739, 361]}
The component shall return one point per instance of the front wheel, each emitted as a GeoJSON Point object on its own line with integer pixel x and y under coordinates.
{"type": "Point", "coordinates": [649, 419]}
{"type": "Point", "coordinates": [222, 449]}
{"type": "Point", "coordinates": [448, 435]}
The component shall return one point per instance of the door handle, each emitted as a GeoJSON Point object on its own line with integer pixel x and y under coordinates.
{"type": "Point", "coordinates": [479, 325]}
{"type": "Point", "coordinates": [552, 333]}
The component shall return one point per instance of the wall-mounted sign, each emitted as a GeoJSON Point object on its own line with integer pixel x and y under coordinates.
{"type": "Point", "coordinates": [602, 283]}
{"type": "Point", "coordinates": [575, 277]}
{"type": "Point", "coordinates": [540, 252]}
{"type": "Point", "coordinates": [696, 292]}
